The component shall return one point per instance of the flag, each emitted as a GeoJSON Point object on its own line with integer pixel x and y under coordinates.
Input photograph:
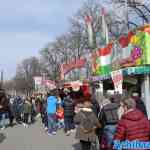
{"type": "Point", "coordinates": [104, 60]}
{"type": "Point", "coordinates": [88, 20]}
{"type": "Point", "coordinates": [104, 28]}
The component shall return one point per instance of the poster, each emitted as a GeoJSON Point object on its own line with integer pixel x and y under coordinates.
{"type": "Point", "coordinates": [117, 77]}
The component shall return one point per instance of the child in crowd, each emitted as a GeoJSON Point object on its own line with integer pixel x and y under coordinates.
{"type": "Point", "coordinates": [27, 109]}
{"type": "Point", "coordinates": [60, 116]}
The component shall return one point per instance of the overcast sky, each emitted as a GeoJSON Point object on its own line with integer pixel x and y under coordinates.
{"type": "Point", "coordinates": [28, 25]}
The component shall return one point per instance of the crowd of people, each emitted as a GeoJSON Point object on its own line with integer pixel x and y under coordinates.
{"type": "Point", "coordinates": [106, 118]}
{"type": "Point", "coordinates": [16, 110]}
{"type": "Point", "coordinates": [119, 118]}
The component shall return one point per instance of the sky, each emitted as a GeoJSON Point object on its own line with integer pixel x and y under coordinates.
{"type": "Point", "coordinates": [26, 26]}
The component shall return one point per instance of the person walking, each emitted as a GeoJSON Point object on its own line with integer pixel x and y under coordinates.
{"type": "Point", "coordinates": [33, 110]}
{"type": "Point", "coordinates": [133, 125]}
{"type": "Point", "coordinates": [68, 106]}
{"type": "Point", "coordinates": [87, 123]}
{"type": "Point", "coordinates": [27, 110]}
{"type": "Point", "coordinates": [11, 111]}
{"type": "Point", "coordinates": [18, 108]}
{"type": "Point", "coordinates": [51, 112]}
{"type": "Point", "coordinates": [109, 119]}
{"type": "Point", "coordinates": [44, 115]}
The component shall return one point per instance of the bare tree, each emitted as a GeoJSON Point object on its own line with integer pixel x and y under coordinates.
{"type": "Point", "coordinates": [23, 80]}
{"type": "Point", "coordinates": [120, 17]}
{"type": "Point", "coordinates": [127, 14]}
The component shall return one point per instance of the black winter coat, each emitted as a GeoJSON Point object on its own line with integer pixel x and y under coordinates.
{"type": "Point", "coordinates": [68, 106]}
{"type": "Point", "coordinates": [109, 114]}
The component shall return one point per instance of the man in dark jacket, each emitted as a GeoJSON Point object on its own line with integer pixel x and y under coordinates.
{"type": "Point", "coordinates": [133, 124]}
{"type": "Point", "coordinates": [68, 106]}
{"type": "Point", "coordinates": [109, 119]}
{"type": "Point", "coordinates": [18, 108]}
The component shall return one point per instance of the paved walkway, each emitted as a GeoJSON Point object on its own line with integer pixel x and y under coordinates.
{"type": "Point", "coordinates": [34, 138]}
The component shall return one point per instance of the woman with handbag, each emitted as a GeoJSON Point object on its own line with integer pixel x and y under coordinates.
{"type": "Point", "coordinates": [87, 124]}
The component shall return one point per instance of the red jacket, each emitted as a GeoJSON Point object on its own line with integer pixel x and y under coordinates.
{"type": "Point", "coordinates": [60, 114]}
{"type": "Point", "coordinates": [133, 126]}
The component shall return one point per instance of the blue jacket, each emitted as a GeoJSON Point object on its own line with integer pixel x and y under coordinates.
{"type": "Point", "coordinates": [51, 104]}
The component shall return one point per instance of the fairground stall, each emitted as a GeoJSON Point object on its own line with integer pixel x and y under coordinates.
{"type": "Point", "coordinates": [124, 64]}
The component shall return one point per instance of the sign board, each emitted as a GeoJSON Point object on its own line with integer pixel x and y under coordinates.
{"type": "Point", "coordinates": [117, 77]}
{"type": "Point", "coordinates": [77, 63]}
{"type": "Point", "coordinates": [41, 85]}
{"type": "Point", "coordinates": [38, 80]}
{"type": "Point", "coordinates": [49, 84]}
{"type": "Point", "coordinates": [38, 83]}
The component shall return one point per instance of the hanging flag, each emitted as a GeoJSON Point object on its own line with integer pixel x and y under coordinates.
{"type": "Point", "coordinates": [88, 20]}
{"type": "Point", "coordinates": [104, 28]}
{"type": "Point", "coordinates": [105, 60]}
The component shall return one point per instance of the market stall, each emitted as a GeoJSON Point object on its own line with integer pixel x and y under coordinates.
{"type": "Point", "coordinates": [126, 62]}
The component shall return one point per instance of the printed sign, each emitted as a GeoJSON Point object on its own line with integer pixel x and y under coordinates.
{"type": "Point", "coordinates": [117, 77]}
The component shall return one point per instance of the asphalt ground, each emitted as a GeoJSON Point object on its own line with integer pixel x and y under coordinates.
{"type": "Point", "coordinates": [35, 138]}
